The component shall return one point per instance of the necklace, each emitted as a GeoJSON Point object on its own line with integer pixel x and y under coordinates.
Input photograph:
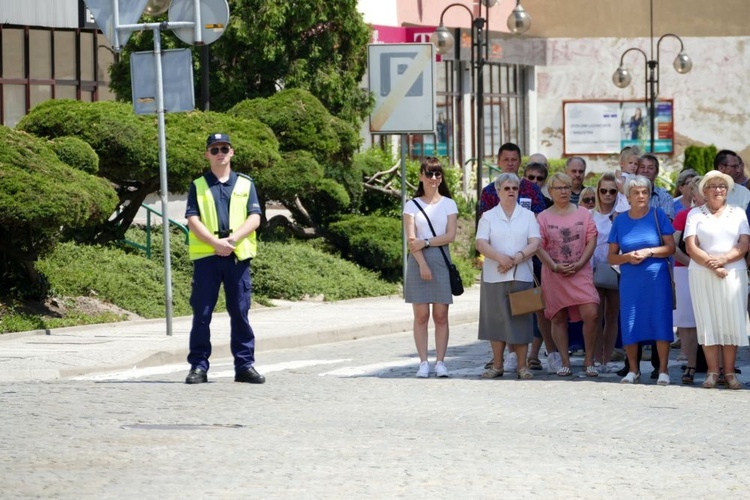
{"type": "Point", "coordinates": [714, 211]}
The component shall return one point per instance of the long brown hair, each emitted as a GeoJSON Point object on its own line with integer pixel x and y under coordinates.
{"type": "Point", "coordinates": [605, 177]}
{"type": "Point", "coordinates": [432, 164]}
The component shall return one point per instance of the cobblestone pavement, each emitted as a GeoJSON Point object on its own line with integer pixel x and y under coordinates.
{"type": "Point", "coordinates": [349, 419]}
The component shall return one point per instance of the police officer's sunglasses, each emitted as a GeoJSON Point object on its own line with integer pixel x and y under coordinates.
{"type": "Point", "coordinates": [215, 151]}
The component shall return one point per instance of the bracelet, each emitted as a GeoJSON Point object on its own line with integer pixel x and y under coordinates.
{"type": "Point", "coordinates": [522, 254]}
{"type": "Point", "coordinates": [554, 269]}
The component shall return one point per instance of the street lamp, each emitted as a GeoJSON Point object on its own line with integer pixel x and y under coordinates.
{"type": "Point", "coordinates": [519, 22]}
{"type": "Point", "coordinates": [622, 77]}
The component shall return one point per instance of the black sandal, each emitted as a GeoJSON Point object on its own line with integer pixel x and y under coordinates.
{"type": "Point", "coordinates": [688, 375]}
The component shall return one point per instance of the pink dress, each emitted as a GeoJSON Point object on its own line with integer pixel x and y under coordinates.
{"type": "Point", "coordinates": [564, 238]}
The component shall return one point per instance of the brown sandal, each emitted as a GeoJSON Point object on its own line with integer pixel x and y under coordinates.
{"type": "Point", "coordinates": [525, 374]}
{"type": "Point", "coordinates": [730, 379]}
{"type": "Point", "coordinates": [491, 373]}
{"type": "Point", "coordinates": [711, 379]}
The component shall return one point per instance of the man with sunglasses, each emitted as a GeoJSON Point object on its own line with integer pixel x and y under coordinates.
{"type": "Point", "coordinates": [223, 213]}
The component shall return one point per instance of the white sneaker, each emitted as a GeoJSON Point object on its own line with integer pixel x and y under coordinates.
{"type": "Point", "coordinates": [440, 370]}
{"type": "Point", "coordinates": [554, 362]}
{"type": "Point", "coordinates": [511, 362]}
{"type": "Point", "coordinates": [631, 378]}
{"type": "Point", "coordinates": [424, 369]}
{"type": "Point", "coordinates": [663, 379]}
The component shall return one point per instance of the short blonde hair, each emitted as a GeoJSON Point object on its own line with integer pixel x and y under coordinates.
{"type": "Point", "coordinates": [560, 177]}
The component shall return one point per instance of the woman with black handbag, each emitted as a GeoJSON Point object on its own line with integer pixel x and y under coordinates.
{"type": "Point", "coordinates": [605, 277]}
{"type": "Point", "coordinates": [430, 224]}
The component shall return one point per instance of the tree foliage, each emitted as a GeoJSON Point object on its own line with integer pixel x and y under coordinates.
{"type": "Point", "coordinates": [700, 158]}
{"type": "Point", "coordinates": [318, 180]}
{"type": "Point", "coordinates": [317, 45]}
{"type": "Point", "coordinates": [128, 148]}
{"type": "Point", "coordinates": [42, 201]}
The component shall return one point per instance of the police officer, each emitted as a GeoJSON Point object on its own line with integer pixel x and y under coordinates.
{"type": "Point", "coordinates": [222, 213]}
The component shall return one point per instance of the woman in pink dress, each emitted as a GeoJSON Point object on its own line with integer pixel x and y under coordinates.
{"type": "Point", "coordinates": [568, 242]}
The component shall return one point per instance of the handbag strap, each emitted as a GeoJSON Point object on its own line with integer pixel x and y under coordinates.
{"type": "Point", "coordinates": [445, 258]}
{"type": "Point", "coordinates": [661, 242]}
{"type": "Point", "coordinates": [531, 268]}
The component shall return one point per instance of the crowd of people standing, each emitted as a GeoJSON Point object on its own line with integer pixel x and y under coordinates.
{"type": "Point", "coordinates": [626, 259]}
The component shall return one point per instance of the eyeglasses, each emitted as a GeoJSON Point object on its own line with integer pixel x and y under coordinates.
{"type": "Point", "coordinates": [607, 191]}
{"type": "Point", "coordinates": [561, 188]}
{"type": "Point", "coordinates": [215, 151]}
{"type": "Point", "coordinates": [588, 200]}
{"type": "Point", "coordinates": [533, 178]}
{"type": "Point", "coordinates": [510, 188]}
{"type": "Point", "coordinates": [720, 187]}
{"type": "Point", "coordinates": [432, 175]}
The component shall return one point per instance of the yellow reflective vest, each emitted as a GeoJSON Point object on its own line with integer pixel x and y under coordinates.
{"type": "Point", "coordinates": [244, 248]}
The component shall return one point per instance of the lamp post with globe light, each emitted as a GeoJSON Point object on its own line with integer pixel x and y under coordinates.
{"type": "Point", "coordinates": [519, 22]}
{"type": "Point", "coordinates": [622, 77]}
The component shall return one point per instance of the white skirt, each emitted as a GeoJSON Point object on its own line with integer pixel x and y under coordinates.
{"type": "Point", "coordinates": [720, 306]}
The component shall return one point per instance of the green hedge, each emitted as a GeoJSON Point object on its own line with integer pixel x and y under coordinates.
{"type": "Point", "coordinates": [370, 241]}
{"type": "Point", "coordinates": [295, 271]}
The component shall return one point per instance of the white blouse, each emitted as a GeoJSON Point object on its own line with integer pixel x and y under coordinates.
{"type": "Point", "coordinates": [717, 235]}
{"type": "Point", "coordinates": [603, 227]}
{"type": "Point", "coordinates": [507, 236]}
{"type": "Point", "coordinates": [438, 214]}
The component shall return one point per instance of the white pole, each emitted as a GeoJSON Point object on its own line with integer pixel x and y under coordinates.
{"type": "Point", "coordinates": [404, 146]}
{"type": "Point", "coordinates": [116, 25]}
{"type": "Point", "coordinates": [163, 179]}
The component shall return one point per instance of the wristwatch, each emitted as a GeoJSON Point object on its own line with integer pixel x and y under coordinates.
{"type": "Point", "coordinates": [426, 243]}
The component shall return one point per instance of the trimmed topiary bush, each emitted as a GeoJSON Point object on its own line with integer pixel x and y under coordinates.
{"type": "Point", "coordinates": [42, 201]}
{"type": "Point", "coordinates": [370, 241]}
{"type": "Point", "coordinates": [295, 271]}
{"type": "Point", "coordinates": [76, 153]}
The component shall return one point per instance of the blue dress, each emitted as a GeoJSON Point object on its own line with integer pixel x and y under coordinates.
{"type": "Point", "coordinates": [645, 289]}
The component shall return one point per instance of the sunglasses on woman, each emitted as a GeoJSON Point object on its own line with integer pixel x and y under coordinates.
{"type": "Point", "coordinates": [607, 191]}
{"type": "Point", "coordinates": [533, 178]}
{"type": "Point", "coordinates": [588, 200]}
{"type": "Point", "coordinates": [432, 175]}
{"type": "Point", "coordinates": [215, 151]}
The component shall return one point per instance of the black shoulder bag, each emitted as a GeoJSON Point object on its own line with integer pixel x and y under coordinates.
{"type": "Point", "coordinates": [457, 286]}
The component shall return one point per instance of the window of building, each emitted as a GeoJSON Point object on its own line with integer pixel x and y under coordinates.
{"type": "Point", "coordinates": [443, 142]}
{"type": "Point", "coordinates": [63, 63]}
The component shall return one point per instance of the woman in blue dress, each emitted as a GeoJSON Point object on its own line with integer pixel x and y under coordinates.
{"type": "Point", "coordinates": [640, 243]}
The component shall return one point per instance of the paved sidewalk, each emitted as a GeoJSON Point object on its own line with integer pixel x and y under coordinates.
{"type": "Point", "coordinates": [68, 352]}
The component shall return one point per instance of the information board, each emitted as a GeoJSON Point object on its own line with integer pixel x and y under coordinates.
{"type": "Point", "coordinates": [605, 127]}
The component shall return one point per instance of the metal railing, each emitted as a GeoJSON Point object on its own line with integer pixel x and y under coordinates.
{"type": "Point", "coordinates": [147, 247]}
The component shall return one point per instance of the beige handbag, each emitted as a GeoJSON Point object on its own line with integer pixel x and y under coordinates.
{"type": "Point", "coordinates": [526, 301]}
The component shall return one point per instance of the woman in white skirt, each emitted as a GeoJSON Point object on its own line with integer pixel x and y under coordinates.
{"type": "Point", "coordinates": [427, 279]}
{"type": "Point", "coordinates": [717, 237]}
{"type": "Point", "coordinates": [508, 236]}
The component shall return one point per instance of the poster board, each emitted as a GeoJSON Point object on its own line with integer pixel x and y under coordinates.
{"type": "Point", "coordinates": [605, 127]}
